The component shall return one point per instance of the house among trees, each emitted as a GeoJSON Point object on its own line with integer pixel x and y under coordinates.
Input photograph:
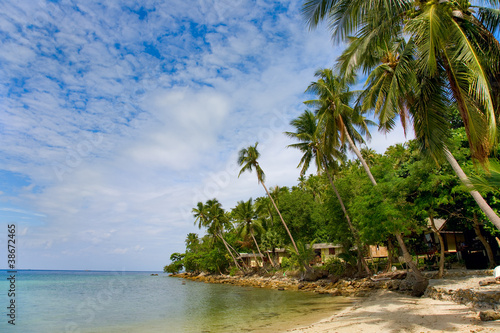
{"type": "Point", "coordinates": [378, 251]}
{"type": "Point", "coordinates": [454, 241]}
{"type": "Point", "coordinates": [279, 254]}
{"type": "Point", "coordinates": [249, 259]}
{"type": "Point", "coordinates": [323, 251]}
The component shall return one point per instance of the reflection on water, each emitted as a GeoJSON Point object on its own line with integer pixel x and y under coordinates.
{"type": "Point", "coordinates": [137, 302]}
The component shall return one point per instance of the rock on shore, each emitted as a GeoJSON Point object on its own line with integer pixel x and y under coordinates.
{"type": "Point", "coordinates": [460, 286]}
{"type": "Point", "coordinates": [336, 287]}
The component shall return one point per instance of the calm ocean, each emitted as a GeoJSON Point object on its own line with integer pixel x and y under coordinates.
{"type": "Point", "coordinates": [81, 301]}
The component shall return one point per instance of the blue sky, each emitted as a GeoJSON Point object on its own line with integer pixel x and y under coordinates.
{"type": "Point", "coordinates": [117, 117]}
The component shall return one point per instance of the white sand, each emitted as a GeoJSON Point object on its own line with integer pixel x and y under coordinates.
{"type": "Point", "coordinates": [386, 311]}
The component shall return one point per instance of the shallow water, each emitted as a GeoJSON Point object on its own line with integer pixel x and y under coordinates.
{"type": "Point", "coordinates": [78, 301]}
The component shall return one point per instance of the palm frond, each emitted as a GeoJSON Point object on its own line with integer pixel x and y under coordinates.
{"type": "Point", "coordinates": [490, 18]}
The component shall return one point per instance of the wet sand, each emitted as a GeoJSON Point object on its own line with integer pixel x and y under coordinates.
{"type": "Point", "coordinates": [387, 311]}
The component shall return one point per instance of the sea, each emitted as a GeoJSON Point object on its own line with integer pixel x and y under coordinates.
{"type": "Point", "coordinates": [116, 301]}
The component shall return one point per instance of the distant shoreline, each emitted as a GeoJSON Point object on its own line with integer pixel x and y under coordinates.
{"type": "Point", "coordinates": [78, 270]}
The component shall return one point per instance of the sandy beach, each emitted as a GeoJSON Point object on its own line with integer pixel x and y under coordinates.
{"type": "Point", "coordinates": [388, 311]}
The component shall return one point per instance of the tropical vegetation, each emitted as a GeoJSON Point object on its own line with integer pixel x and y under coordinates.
{"type": "Point", "coordinates": [432, 65]}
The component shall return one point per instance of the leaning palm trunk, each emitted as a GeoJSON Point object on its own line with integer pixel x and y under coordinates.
{"type": "Point", "coordinates": [489, 252]}
{"type": "Point", "coordinates": [353, 230]}
{"type": "Point", "coordinates": [281, 217]}
{"type": "Point", "coordinates": [360, 157]}
{"type": "Point", "coordinates": [401, 243]}
{"type": "Point", "coordinates": [258, 249]}
{"type": "Point", "coordinates": [483, 205]}
{"type": "Point", "coordinates": [231, 253]}
{"type": "Point", "coordinates": [389, 255]}
{"type": "Point", "coordinates": [270, 259]}
{"type": "Point", "coordinates": [408, 259]}
{"type": "Point", "coordinates": [441, 246]}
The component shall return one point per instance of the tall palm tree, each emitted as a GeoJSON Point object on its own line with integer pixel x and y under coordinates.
{"type": "Point", "coordinates": [212, 216]}
{"type": "Point", "coordinates": [391, 90]}
{"type": "Point", "coordinates": [247, 158]}
{"type": "Point", "coordinates": [336, 115]}
{"type": "Point", "coordinates": [308, 134]}
{"type": "Point", "coordinates": [333, 101]}
{"type": "Point", "coordinates": [453, 54]}
{"type": "Point", "coordinates": [246, 214]}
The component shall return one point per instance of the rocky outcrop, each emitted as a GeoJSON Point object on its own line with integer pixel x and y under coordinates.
{"type": "Point", "coordinates": [330, 285]}
{"type": "Point", "coordinates": [489, 315]}
{"type": "Point", "coordinates": [465, 287]}
{"type": "Point", "coordinates": [475, 289]}
{"type": "Point", "coordinates": [413, 286]}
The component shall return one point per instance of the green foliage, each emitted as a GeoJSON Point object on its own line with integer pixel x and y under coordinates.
{"type": "Point", "coordinates": [233, 271]}
{"type": "Point", "coordinates": [335, 266]}
{"type": "Point", "coordinates": [286, 264]}
{"type": "Point", "coordinates": [207, 256]}
{"type": "Point", "coordinates": [349, 258]}
{"type": "Point", "coordinates": [305, 255]}
{"type": "Point", "coordinates": [174, 267]}
{"type": "Point", "coordinates": [411, 188]}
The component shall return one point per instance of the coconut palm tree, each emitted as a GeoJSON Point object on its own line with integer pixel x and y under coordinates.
{"type": "Point", "coordinates": [336, 116]}
{"type": "Point", "coordinates": [391, 90]}
{"type": "Point", "coordinates": [247, 158]}
{"type": "Point", "coordinates": [212, 216]}
{"type": "Point", "coordinates": [308, 133]}
{"type": "Point", "coordinates": [246, 214]}
{"type": "Point", "coordinates": [339, 118]}
{"type": "Point", "coordinates": [452, 53]}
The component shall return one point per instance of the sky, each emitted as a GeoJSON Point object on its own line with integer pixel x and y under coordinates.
{"type": "Point", "coordinates": [117, 117]}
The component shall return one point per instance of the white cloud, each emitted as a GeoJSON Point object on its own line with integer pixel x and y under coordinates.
{"type": "Point", "coordinates": [119, 145]}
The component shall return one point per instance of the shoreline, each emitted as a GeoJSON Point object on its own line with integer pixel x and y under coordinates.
{"type": "Point", "coordinates": [388, 311]}
{"type": "Point", "coordinates": [450, 304]}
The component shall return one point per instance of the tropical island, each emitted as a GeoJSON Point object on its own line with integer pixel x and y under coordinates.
{"type": "Point", "coordinates": [414, 213]}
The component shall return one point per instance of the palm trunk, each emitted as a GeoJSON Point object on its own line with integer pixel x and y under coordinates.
{"type": "Point", "coordinates": [281, 217]}
{"type": "Point", "coordinates": [360, 157]}
{"type": "Point", "coordinates": [441, 246]}
{"type": "Point", "coordinates": [270, 259]}
{"type": "Point", "coordinates": [408, 258]}
{"type": "Point", "coordinates": [389, 255]}
{"type": "Point", "coordinates": [258, 249]}
{"type": "Point", "coordinates": [483, 205]}
{"type": "Point", "coordinates": [353, 230]}
{"type": "Point", "coordinates": [401, 243]}
{"type": "Point", "coordinates": [231, 253]}
{"type": "Point", "coordinates": [485, 243]}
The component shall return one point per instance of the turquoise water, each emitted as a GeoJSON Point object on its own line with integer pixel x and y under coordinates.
{"type": "Point", "coordinates": [78, 301]}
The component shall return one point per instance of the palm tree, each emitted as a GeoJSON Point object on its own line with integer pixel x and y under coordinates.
{"type": "Point", "coordinates": [491, 181]}
{"type": "Point", "coordinates": [390, 90]}
{"type": "Point", "coordinates": [452, 53]}
{"type": "Point", "coordinates": [200, 214]}
{"type": "Point", "coordinates": [247, 158]}
{"type": "Point", "coordinates": [308, 133]}
{"type": "Point", "coordinates": [246, 214]}
{"type": "Point", "coordinates": [336, 116]}
{"type": "Point", "coordinates": [340, 117]}
{"type": "Point", "coordinates": [212, 216]}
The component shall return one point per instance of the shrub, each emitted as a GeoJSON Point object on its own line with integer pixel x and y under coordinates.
{"type": "Point", "coordinates": [335, 266]}
{"type": "Point", "coordinates": [174, 267]}
{"type": "Point", "coordinates": [286, 263]}
{"type": "Point", "coordinates": [233, 271]}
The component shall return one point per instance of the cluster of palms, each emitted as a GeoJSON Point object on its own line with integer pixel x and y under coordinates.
{"type": "Point", "coordinates": [423, 60]}
{"type": "Point", "coordinates": [250, 220]}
